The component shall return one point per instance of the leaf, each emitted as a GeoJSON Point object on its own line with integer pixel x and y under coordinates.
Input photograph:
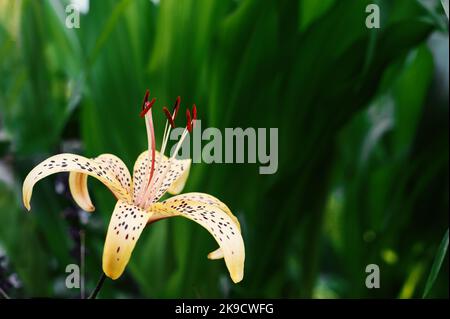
{"type": "Point", "coordinates": [38, 77]}
{"type": "Point", "coordinates": [310, 10]}
{"type": "Point", "coordinates": [437, 263]}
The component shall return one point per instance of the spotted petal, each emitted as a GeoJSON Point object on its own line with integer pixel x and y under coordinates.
{"type": "Point", "coordinates": [125, 227]}
{"type": "Point", "coordinates": [68, 163]}
{"type": "Point", "coordinates": [169, 175]}
{"type": "Point", "coordinates": [141, 173]}
{"type": "Point", "coordinates": [216, 218]}
{"type": "Point", "coordinates": [111, 164]}
{"type": "Point", "coordinates": [211, 200]}
{"type": "Point", "coordinates": [177, 186]}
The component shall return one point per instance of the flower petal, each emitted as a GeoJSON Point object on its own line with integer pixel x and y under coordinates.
{"type": "Point", "coordinates": [68, 163]}
{"type": "Point", "coordinates": [213, 215]}
{"type": "Point", "coordinates": [173, 172]}
{"type": "Point", "coordinates": [216, 254]}
{"type": "Point", "coordinates": [110, 163]}
{"type": "Point", "coordinates": [211, 200]}
{"type": "Point", "coordinates": [141, 173]}
{"type": "Point", "coordinates": [79, 190]}
{"type": "Point", "coordinates": [125, 227]}
{"type": "Point", "coordinates": [118, 167]}
{"type": "Point", "coordinates": [178, 185]}
{"type": "Point", "coordinates": [164, 178]}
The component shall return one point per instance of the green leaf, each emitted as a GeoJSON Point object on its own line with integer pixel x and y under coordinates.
{"type": "Point", "coordinates": [436, 267]}
{"type": "Point", "coordinates": [310, 10]}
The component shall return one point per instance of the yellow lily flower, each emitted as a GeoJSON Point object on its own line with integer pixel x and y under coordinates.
{"type": "Point", "coordinates": [154, 174]}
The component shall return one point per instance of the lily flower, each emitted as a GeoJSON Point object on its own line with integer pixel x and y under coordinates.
{"type": "Point", "coordinates": [138, 204]}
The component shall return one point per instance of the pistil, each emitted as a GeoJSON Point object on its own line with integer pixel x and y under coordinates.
{"type": "Point", "coordinates": [170, 122]}
{"type": "Point", "coordinates": [147, 114]}
{"type": "Point", "coordinates": [148, 192]}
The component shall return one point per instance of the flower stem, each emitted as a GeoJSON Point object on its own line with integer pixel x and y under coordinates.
{"type": "Point", "coordinates": [98, 287]}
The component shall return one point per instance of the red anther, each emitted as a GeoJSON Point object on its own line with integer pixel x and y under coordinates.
{"type": "Point", "coordinates": [147, 107]}
{"type": "Point", "coordinates": [194, 115]}
{"type": "Point", "coordinates": [188, 119]}
{"type": "Point", "coordinates": [169, 116]}
{"type": "Point", "coordinates": [194, 112]}
{"type": "Point", "coordinates": [147, 93]}
{"type": "Point", "coordinates": [176, 106]}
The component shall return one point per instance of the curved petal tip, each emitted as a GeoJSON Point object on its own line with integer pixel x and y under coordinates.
{"type": "Point", "coordinates": [216, 254]}
{"type": "Point", "coordinates": [237, 274]}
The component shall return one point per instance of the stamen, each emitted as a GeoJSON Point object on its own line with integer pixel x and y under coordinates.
{"type": "Point", "coordinates": [188, 119]}
{"type": "Point", "coordinates": [147, 107]}
{"type": "Point", "coordinates": [147, 93]}
{"type": "Point", "coordinates": [150, 191]}
{"type": "Point", "coordinates": [176, 107]}
{"type": "Point", "coordinates": [169, 116]}
{"type": "Point", "coordinates": [153, 148]}
{"type": "Point", "coordinates": [194, 113]}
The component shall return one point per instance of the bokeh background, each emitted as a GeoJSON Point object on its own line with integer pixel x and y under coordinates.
{"type": "Point", "coordinates": [363, 142]}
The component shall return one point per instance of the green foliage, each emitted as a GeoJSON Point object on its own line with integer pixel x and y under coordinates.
{"type": "Point", "coordinates": [363, 145]}
{"type": "Point", "coordinates": [438, 260]}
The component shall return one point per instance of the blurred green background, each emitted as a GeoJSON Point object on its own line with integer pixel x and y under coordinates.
{"type": "Point", "coordinates": [363, 142]}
